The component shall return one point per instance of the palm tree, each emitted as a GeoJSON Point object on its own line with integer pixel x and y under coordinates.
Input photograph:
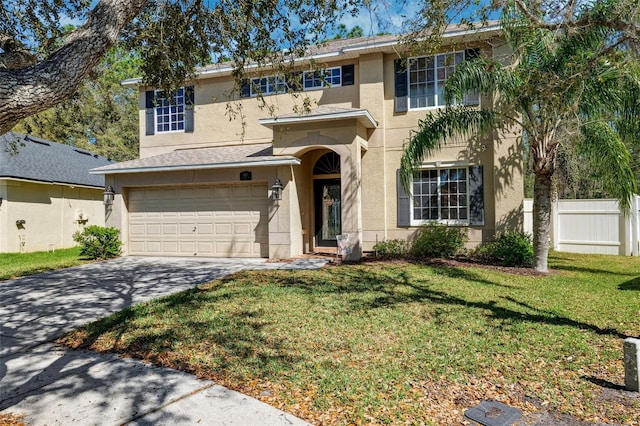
{"type": "Point", "coordinates": [559, 84]}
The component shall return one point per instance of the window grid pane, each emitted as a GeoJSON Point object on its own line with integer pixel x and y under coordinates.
{"type": "Point", "coordinates": [267, 85]}
{"type": "Point", "coordinates": [427, 77]}
{"type": "Point", "coordinates": [170, 113]}
{"type": "Point", "coordinates": [315, 79]}
{"type": "Point", "coordinates": [453, 183]}
{"type": "Point", "coordinates": [440, 194]}
{"type": "Point", "coordinates": [425, 195]}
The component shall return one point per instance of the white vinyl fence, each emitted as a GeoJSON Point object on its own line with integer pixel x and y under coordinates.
{"type": "Point", "coordinates": [591, 226]}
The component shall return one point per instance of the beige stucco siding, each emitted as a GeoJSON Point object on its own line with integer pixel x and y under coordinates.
{"type": "Point", "coordinates": [51, 213]}
{"type": "Point", "coordinates": [221, 118]}
{"type": "Point", "coordinates": [369, 152]}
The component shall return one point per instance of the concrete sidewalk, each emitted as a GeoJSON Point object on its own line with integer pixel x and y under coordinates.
{"type": "Point", "coordinates": [54, 385]}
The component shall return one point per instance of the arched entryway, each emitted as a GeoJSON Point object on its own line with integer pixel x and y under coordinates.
{"type": "Point", "coordinates": [327, 200]}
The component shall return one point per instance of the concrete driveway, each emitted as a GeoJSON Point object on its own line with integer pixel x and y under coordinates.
{"type": "Point", "coordinates": [53, 385]}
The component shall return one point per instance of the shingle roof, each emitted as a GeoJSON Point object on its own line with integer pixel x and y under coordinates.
{"type": "Point", "coordinates": [323, 113]}
{"type": "Point", "coordinates": [45, 161]}
{"type": "Point", "coordinates": [388, 43]}
{"type": "Point", "coordinates": [201, 158]}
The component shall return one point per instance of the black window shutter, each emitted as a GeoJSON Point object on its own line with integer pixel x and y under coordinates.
{"type": "Point", "coordinates": [471, 53]}
{"type": "Point", "coordinates": [188, 109]}
{"type": "Point", "coordinates": [476, 196]}
{"type": "Point", "coordinates": [401, 90]}
{"type": "Point", "coordinates": [150, 121]}
{"type": "Point", "coordinates": [404, 204]}
{"type": "Point", "coordinates": [245, 89]}
{"type": "Point", "coordinates": [348, 75]}
{"type": "Point", "coordinates": [471, 98]}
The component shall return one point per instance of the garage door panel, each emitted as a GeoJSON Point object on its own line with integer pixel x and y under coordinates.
{"type": "Point", "coordinates": [186, 229]}
{"type": "Point", "coordinates": [204, 229]}
{"type": "Point", "coordinates": [205, 248]}
{"type": "Point", "coordinates": [204, 213]}
{"type": "Point", "coordinates": [221, 221]}
{"type": "Point", "coordinates": [137, 229]}
{"type": "Point", "coordinates": [170, 229]}
{"type": "Point", "coordinates": [187, 247]}
{"type": "Point", "coordinates": [153, 229]}
{"type": "Point", "coordinates": [242, 229]}
{"type": "Point", "coordinates": [222, 229]}
{"type": "Point", "coordinates": [154, 247]}
{"type": "Point", "coordinates": [221, 192]}
{"type": "Point", "coordinates": [242, 191]}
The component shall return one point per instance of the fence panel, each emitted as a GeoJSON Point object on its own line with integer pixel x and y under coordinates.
{"type": "Point", "coordinates": [591, 226]}
{"type": "Point", "coordinates": [587, 226]}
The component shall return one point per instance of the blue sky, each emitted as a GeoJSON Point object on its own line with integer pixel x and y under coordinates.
{"type": "Point", "coordinates": [393, 13]}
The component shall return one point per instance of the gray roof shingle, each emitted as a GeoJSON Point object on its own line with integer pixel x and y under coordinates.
{"type": "Point", "coordinates": [45, 161]}
{"type": "Point", "coordinates": [198, 158]}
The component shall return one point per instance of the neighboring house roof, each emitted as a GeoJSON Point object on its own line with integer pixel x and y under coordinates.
{"type": "Point", "coordinates": [41, 160]}
{"type": "Point", "coordinates": [222, 157]}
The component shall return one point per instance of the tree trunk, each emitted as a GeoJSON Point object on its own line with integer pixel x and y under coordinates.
{"type": "Point", "coordinates": [29, 90]}
{"type": "Point", "coordinates": [541, 220]}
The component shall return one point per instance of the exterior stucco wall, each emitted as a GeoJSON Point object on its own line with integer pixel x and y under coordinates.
{"type": "Point", "coordinates": [215, 125]}
{"type": "Point", "coordinates": [52, 214]}
{"type": "Point", "coordinates": [370, 158]}
{"type": "Point", "coordinates": [285, 227]}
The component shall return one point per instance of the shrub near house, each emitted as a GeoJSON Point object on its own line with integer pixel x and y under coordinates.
{"type": "Point", "coordinates": [98, 242]}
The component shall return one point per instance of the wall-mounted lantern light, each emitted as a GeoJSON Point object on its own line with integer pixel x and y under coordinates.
{"type": "Point", "coordinates": [108, 195]}
{"type": "Point", "coordinates": [276, 189]}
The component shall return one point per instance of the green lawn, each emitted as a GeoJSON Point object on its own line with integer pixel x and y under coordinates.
{"type": "Point", "coordinates": [395, 343]}
{"type": "Point", "coordinates": [20, 264]}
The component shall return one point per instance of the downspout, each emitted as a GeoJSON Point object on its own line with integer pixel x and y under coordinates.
{"type": "Point", "coordinates": [62, 216]}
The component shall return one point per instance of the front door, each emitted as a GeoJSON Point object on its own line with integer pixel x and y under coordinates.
{"type": "Point", "coordinates": [328, 212]}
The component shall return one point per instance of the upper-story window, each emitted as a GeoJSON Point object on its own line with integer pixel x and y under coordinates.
{"type": "Point", "coordinates": [328, 77]}
{"type": "Point", "coordinates": [427, 76]}
{"type": "Point", "coordinates": [169, 112]}
{"type": "Point", "coordinates": [268, 85]}
{"type": "Point", "coordinates": [419, 82]}
{"type": "Point", "coordinates": [307, 80]}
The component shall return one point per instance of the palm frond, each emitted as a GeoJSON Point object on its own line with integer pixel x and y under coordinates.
{"type": "Point", "coordinates": [436, 129]}
{"type": "Point", "coordinates": [610, 159]}
{"type": "Point", "coordinates": [530, 44]}
{"type": "Point", "coordinates": [480, 75]}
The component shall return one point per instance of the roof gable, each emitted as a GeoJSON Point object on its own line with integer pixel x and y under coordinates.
{"type": "Point", "coordinates": [45, 161]}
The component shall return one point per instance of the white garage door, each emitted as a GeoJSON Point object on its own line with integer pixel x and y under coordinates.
{"type": "Point", "coordinates": [216, 221]}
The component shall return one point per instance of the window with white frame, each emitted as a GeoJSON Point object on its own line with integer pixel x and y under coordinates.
{"type": "Point", "coordinates": [169, 112]}
{"type": "Point", "coordinates": [328, 77]}
{"type": "Point", "coordinates": [441, 195]}
{"type": "Point", "coordinates": [268, 85]}
{"type": "Point", "coordinates": [427, 76]}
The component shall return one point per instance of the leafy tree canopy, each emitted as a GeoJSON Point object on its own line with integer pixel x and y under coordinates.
{"type": "Point", "coordinates": [102, 116]}
{"type": "Point", "coordinates": [622, 16]}
{"type": "Point", "coordinates": [40, 66]}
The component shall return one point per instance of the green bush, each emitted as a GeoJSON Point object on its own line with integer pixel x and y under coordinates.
{"type": "Point", "coordinates": [508, 249]}
{"type": "Point", "coordinates": [438, 241]}
{"type": "Point", "coordinates": [98, 242]}
{"type": "Point", "coordinates": [392, 249]}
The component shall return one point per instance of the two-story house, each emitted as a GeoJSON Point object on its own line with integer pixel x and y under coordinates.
{"type": "Point", "coordinates": [209, 185]}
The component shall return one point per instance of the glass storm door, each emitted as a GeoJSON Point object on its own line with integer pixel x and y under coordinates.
{"type": "Point", "coordinates": [328, 212]}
